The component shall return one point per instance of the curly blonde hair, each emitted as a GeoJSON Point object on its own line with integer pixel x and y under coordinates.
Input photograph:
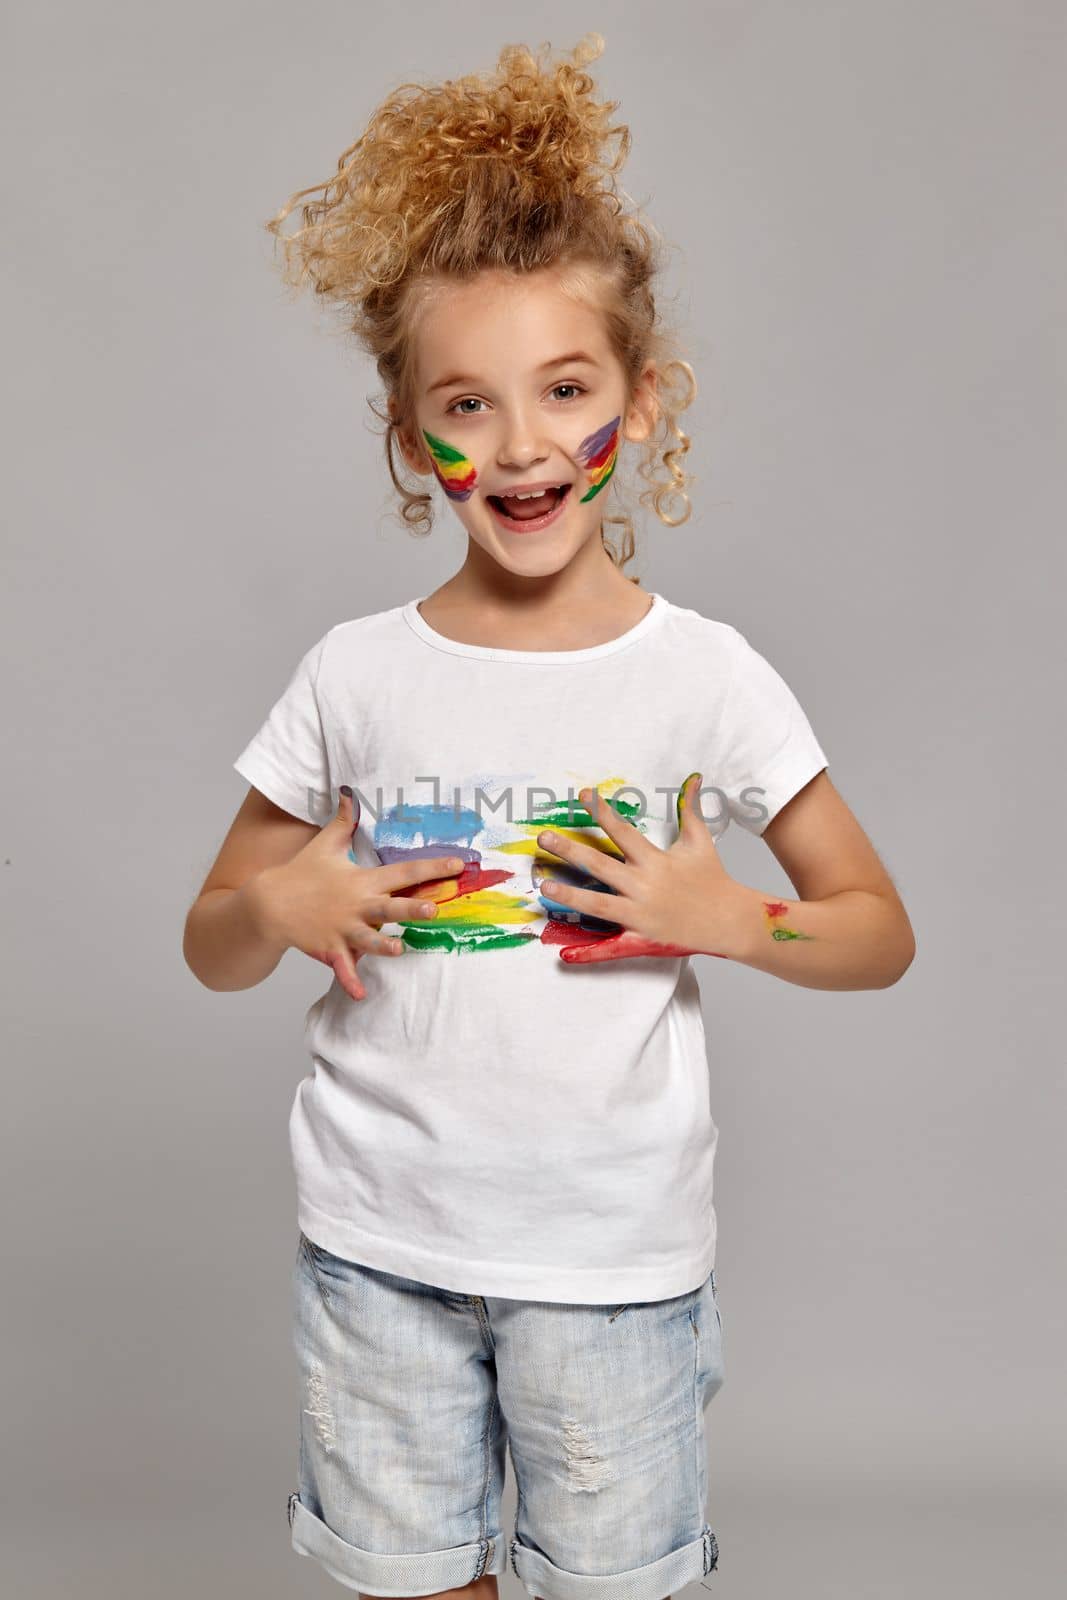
{"type": "Point", "coordinates": [508, 173]}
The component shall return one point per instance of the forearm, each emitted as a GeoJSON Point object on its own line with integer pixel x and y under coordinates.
{"type": "Point", "coordinates": [852, 940]}
{"type": "Point", "coordinates": [229, 942]}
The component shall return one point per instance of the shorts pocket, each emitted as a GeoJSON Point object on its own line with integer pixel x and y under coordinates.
{"type": "Point", "coordinates": [318, 1261]}
{"type": "Point", "coordinates": [319, 1253]}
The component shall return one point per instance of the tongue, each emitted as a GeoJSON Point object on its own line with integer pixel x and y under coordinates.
{"type": "Point", "coordinates": [522, 509]}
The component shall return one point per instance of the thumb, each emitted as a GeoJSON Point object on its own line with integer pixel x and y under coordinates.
{"type": "Point", "coordinates": [347, 814]}
{"type": "Point", "coordinates": [690, 822]}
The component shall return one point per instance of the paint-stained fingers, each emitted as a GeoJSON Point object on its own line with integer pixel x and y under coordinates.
{"type": "Point", "coordinates": [619, 947]}
{"type": "Point", "coordinates": [594, 902]}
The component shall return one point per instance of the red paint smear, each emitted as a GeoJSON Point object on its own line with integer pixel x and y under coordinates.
{"type": "Point", "coordinates": [472, 877]}
{"type": "Point", "coordinates": [775, 908]}
{"type": "Point", "coordinates": [568, 933]}
{"type": "Point", "coordinates": [621, 945]}
{"type": "Point", "coordinates": [585, 946]}
{"type": "Point", "coordinates": [459, 485]}
{"type": "Point", "coordinates": [604, 454]}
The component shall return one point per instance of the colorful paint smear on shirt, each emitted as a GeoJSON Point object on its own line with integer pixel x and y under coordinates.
{"type": "Point", "coordinates": [598, 454]}
{"type": "Point", "coordinates": [491, 908]}
{"type": "Point", "coordinates": [455, 473]}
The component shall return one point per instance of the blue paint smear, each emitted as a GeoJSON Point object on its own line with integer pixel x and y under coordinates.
{"type": "Point", "coordinates": [404, 826]}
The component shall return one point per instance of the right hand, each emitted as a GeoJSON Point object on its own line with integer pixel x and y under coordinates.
{"type": "Point", "coordinates": [320, 902]}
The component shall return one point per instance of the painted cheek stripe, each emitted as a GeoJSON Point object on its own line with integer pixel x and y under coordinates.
{"type": "Point", "coordinates": [455, 473]}
{"type": "Point", "coordinates": [598, 454]}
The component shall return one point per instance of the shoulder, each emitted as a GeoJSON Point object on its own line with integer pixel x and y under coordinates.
{"type": "Point", "coordinates": [361, 635]}
{"type": "Point", "coordinates": [688, 629]}
{"type": "Point", "coordinates": [743, 654]}
{"type": "Point", "coordinates": [351, 655]}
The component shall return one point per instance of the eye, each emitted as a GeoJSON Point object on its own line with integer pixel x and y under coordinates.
{"type": "Point", "coordinates": [473, 400]}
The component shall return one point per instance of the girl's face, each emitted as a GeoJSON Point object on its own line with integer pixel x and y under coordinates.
{"type": "Point", "coordinates": [517, 388]}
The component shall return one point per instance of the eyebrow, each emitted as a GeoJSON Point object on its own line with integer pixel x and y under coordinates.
{"type": "Point", "coordinates": [572, 358]}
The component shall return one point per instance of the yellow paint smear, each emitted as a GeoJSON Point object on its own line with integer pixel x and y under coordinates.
{"type": "Point", "coordinates": [486, 905]}
{"type": "Point", "coordinates": [530, 847]}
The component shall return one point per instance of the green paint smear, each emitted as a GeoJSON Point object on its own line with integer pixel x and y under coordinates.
{"type": "Point", "coordinates": [787, 933]}
{"type": "Point", "coordinates": [463, 936]}
{"type": "Point", "coordinates": [443, 451]}
{"type": "Point", "coordinates": [595, 490]}
{"type": "Point", "coordinates": [576, 816]}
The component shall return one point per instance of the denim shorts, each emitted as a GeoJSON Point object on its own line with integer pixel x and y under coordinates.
{"type": "Point", "coordinates": [411, 1395]}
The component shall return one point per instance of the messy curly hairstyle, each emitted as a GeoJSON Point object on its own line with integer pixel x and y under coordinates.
{"type": "Point", "coordinates": [508, 173]}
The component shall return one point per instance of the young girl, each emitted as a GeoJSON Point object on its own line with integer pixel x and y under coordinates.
{"type": "Point", "coordinates": [492, 811]}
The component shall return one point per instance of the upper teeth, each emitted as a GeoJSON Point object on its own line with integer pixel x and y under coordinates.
{"type": "Point", "coordinates": [534, 494]}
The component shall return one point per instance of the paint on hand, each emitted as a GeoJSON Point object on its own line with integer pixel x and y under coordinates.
{"type": "Point", "coordinates": [625, 943]}
{"type": "Point", "coordinates": [598, 454]}
{"type": "Point", "coordinates": [619, 946]}
{"type": "Point", "coordinates": [778, 908]}
{"type": "Point", "coordinates": [455, 473]}
{"type": "Point", "coordinates": [681, 796]}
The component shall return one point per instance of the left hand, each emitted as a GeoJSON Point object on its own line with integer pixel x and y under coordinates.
{"type": "Point", "coordinates": [675, 902]}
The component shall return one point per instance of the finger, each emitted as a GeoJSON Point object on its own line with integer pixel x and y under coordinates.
{"type": "Point", "coordinates": [328, 960]}
{"type": "Point", "coordinates": [625, 835]}
{"type": "Point", "coordinates": [592, 901]}
{"type": "Point", "coordinates": [420, 869]}
{"type": "Point", "coordinates": [344, 968]}
{"type": "Point", "coordinates": [371, 942]}
{"type": "Point", "coordinates": [399, 909]}
{"type": "Point", "coordinates": [598, 863]}
{"type": "Point", "coordinates": [348, 809]}
{"type": "Point", "coordinates": [618, 947]}
{"type": "Point", "coordinates": [691, 824]}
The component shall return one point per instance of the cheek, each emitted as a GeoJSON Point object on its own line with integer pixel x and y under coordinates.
{"type": "Point", "coordinates": [455, 472]}
{"type": "Point", "coordinates": [597, 453]}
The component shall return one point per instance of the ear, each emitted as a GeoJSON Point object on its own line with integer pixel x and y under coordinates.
{"type": "Point", "coordinates": [414, 455]}
{"type": "Point", "coordinates": [643, 411]}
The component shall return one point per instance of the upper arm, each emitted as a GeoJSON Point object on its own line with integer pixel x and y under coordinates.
{"type": "Point", "coordinates": [261, 835]}
{"type": "Point", "coordinates": [822, 848]}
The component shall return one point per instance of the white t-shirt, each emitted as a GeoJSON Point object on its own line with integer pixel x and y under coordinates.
{"type": "Point", "coordinates": [490, 1118]}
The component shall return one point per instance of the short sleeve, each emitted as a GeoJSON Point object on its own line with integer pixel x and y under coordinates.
{"type": "Point", "coordinates": [287, 760]}
{"type": "Point", "coordinates": [768, 749]}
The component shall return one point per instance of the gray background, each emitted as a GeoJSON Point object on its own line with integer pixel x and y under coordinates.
{"type": "Point", "coordinates": [866, 207]}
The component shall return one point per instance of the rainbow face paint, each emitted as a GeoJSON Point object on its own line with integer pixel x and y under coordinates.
{"type": "Point", "coordinates": [598, 454]}
{"type": "Point", "coordinates": [455, 473]}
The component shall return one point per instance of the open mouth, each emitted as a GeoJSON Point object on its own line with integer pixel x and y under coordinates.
{"type": "Point", "coordinates": [527, 516]}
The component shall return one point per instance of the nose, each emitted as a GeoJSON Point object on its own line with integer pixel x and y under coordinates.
{"type": "Point", "coordinates": [522, 444]}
